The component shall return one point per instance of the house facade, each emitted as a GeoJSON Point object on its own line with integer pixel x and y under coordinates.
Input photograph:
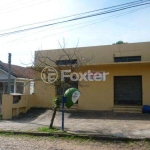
{"type": "Point", "coordinates": [21, 97]}
{"type": "Point", "coordinates": [21, 78]}
{"type": "Point", "coordinates": [126, 87]}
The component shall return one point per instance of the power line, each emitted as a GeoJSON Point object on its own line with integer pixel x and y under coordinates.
{"type": "Point", "coordinates": [134, 2]}
{"type": "Point", "coordinates": [74, 19]}
{"type": "Point", "coordinates": [69, 20]}
{"type": "Point", "coordinates": [104, 19]}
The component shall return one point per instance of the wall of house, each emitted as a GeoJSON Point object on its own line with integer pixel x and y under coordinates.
{"type": "Point", "coordinates": [44, 94]}
{"type": "Point", "coordinates": [100, 54]}
{"type": "Point", "coordinates": [99, 95]}
{"type": "Point", "coordinates": [11, 109]}
{"type": "Point", "coordinates": [4, 75]}
{"type": "Point", "coordinates": [27, 87]}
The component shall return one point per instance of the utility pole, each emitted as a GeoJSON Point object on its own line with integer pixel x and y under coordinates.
{"type": "Point", "coordinates": [9, 73]}
{"type": "Point", "coordinates": [63, 101]}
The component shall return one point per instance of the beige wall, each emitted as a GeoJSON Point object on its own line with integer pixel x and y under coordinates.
{"type": "Point", "coordinates": [9, 109]}
{"type": "Point", "coordinates": [43, 97]}
{"type": "Point", "coordinates": [27, 87]}
{"type": "Point", "coordinates": [99, 95]}
{"type": "Point", "coordinates": [101, 54]}
{"type": "Point", "coordinates": [44, 94]}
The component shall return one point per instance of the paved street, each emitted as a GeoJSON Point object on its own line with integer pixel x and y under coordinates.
{"type": "Point", "coordinates": [11, 142]}
{"type": "Point", "coordinates": [92, 122]}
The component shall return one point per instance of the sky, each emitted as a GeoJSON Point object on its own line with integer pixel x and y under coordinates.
{"type": "Point", "coordinates": [99, 30]}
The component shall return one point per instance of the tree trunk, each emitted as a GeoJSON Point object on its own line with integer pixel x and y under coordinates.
{"type": "Point", "coordinates": [53, 117]}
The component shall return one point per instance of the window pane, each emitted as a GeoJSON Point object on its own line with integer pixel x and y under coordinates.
{"type": "Point", "coordinates": [6, 87]}
{"type": "Point", "coordinates": [20, 87]}
{"type": "Point", "coordinates": [66, 62]}
{"type": "Point", "coordinates": [31, 87]}
{"type": "Point", "coordinates": [127, 59]}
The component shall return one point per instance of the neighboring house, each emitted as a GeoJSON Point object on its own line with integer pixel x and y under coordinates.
{"type": "Point", "coordinates": [127, 87]}
{"type": "Point", "coordinates": [21, 79]}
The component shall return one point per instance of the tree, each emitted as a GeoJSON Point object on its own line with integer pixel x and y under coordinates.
{"type": "Point", "coordinates": [56, 104]}
{"type": "Point", "coordinates": [120, 42]}
{"type": "Point", "coordinates": [64, 60]}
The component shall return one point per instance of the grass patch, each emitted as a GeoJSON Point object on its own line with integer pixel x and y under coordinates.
{"type": "Point", "coordinates": [53, 130]}
{"type": "Point", "coordinates": [7, 134]}
{"type": "Point", "coordinates": [78, 139]}
{"type": "Point", "coordinates": [46, 129]}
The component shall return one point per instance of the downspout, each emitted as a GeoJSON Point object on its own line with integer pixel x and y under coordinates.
{"type": "Point", "coordinates": [14, 85]}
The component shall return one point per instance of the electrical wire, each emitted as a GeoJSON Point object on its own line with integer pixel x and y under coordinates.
{"type": "Point", "coordinates": [104, 19]}
{"type": "Point", "coordinates": [134, 2]}
{"type": "Point", "coordinates": [74, 19]}
{"type": "Point", "coordinates": [107, 18]}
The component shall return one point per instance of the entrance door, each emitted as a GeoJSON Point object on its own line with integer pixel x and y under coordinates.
{"type": "Point", "coordinates": [128, 90]}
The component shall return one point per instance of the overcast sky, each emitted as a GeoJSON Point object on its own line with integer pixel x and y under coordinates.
{"type": "Point", "coordinates": [99, 30]}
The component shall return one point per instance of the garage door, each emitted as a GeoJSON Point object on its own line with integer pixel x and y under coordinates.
{"type": "Point", "coordinates": [128, 90]}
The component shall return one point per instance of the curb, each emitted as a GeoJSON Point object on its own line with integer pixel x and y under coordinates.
{"type": "Point", "coordinates": [86, 136]}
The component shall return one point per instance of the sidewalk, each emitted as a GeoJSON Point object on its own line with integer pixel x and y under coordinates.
{"type": "Point", "coordinates": [124, 125]}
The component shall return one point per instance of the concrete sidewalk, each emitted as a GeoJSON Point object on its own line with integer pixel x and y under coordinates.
{"type": "Point", "coordinates": [125, 125]}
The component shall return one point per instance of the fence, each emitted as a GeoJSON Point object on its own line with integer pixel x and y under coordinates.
{"type": "Point", "coordinates": [13, 105]}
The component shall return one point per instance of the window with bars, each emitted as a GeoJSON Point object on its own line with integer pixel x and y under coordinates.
{"type": "Point", "coordinates": [127, 59]}
{"type": "Point", "coordinates": [66, 62]}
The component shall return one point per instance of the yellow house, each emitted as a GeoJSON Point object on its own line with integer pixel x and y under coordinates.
{"type": "Point", "coordinates": [126, 87]}
{"type": "Point", "coordinates": [21, 87]}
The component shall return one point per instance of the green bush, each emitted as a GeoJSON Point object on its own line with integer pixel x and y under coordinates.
{"type": "Point", "coordinates": [57, 101]}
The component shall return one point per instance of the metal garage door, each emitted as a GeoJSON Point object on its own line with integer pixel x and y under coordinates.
{"type": "Point", "coordinates": [128, 90]}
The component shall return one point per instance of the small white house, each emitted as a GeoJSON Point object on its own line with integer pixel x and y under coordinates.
{"type": "Point", "coordinates": [21, 79]}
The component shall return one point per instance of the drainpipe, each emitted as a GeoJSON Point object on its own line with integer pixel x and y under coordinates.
{"type": "Point", "coordinates": [9, 72]}
{"type": "Point", "coordinates": [14, 85]}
